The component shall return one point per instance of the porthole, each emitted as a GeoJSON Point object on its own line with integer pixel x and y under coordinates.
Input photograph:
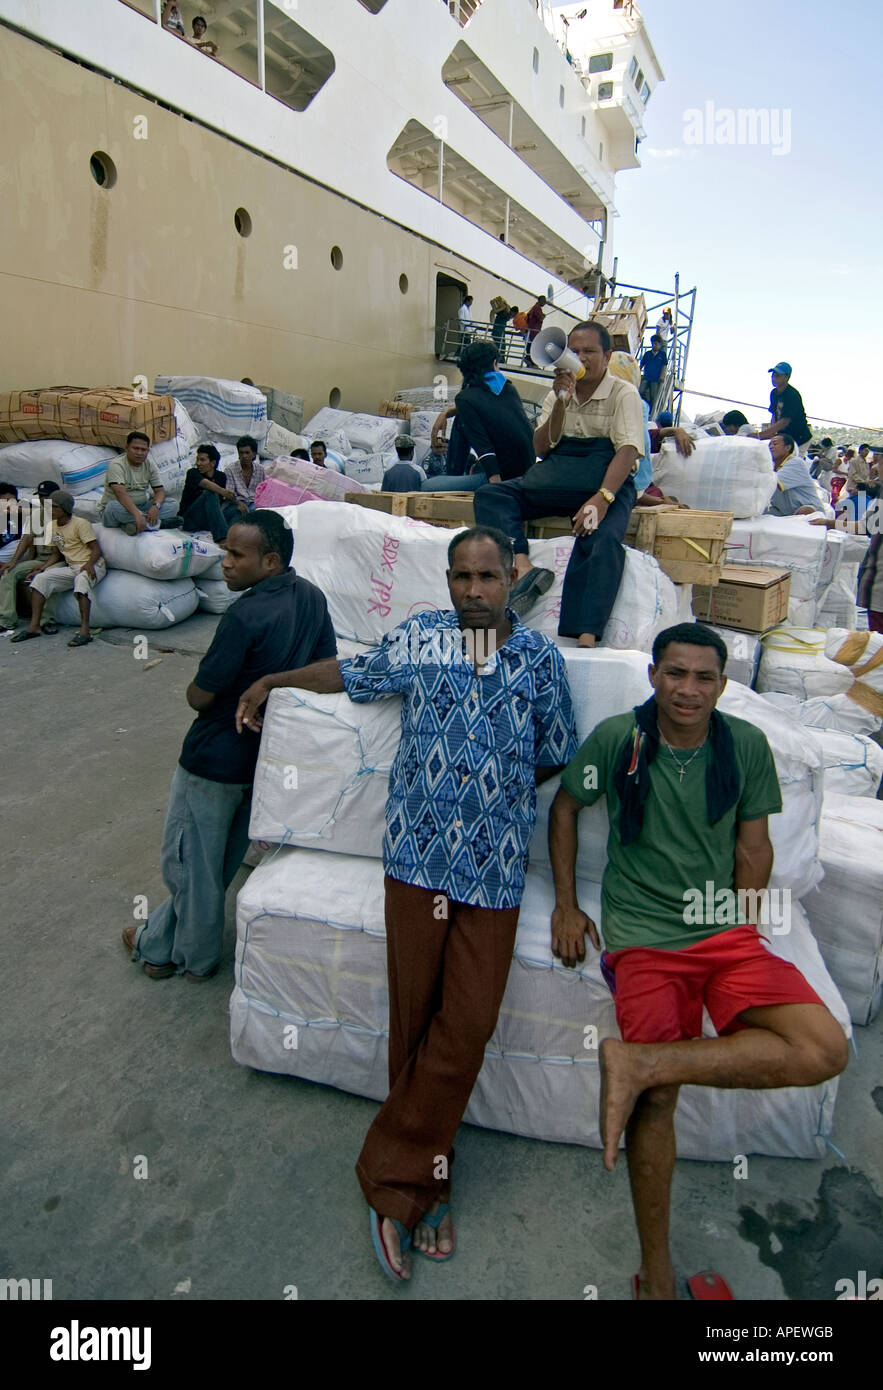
{"type": "Point", "coordinates": [336, 257]}
{"type": "Point", "coordinates": [536, 60]}
{"type": "Point", "coordinates": [103, 169]}
{"type": "Point", "coordinates": [403, 284]}
{"type": "Point", "coordinates": [242, 222]}
{"type": "Point", "coordinates": [334, 397]}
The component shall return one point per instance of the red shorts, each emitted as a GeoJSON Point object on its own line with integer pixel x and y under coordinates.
{"type": "Point", "coordinates": [659, 994]}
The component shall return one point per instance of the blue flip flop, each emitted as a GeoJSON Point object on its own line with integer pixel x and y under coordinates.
{"type": "Point", "coordinates": [435, 1222]}
{"type": "Point", "coordinates": [380, 1249]}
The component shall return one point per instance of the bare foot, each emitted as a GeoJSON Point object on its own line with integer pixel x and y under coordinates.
{"type": "Point", "coordinates": [664, 1288]}
{"type": "Point", "coordinates": [390, 1237]}
{"type": "Point", "coordinates": [586, 639]}
{"type": "Point", "coordinates": [621, 1084]}
{"type": "Point", "coordinates": [428, 1239]}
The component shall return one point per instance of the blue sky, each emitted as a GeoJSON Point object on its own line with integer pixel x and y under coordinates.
{"type": "Point", "coordinates": [785, 250]}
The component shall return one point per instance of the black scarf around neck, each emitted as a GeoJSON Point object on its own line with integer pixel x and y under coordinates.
{"type": "Point", "coordinates": [632, 774]}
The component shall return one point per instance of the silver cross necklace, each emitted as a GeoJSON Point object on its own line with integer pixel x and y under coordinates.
{"type": "Point", "coordinates": [682, 767]}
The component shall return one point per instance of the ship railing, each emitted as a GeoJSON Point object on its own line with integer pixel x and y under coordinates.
{"type": "Point", "coordinates": [452, 337]}
{"type": "Point", "coordinates": [462, 10]}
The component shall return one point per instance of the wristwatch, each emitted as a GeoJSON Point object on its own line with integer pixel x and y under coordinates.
{"type": "Point", "coordinates": [609, 497]}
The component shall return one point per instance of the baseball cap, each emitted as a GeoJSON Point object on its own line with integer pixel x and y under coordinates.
{"type": "Point", "coordinates": [403, 441]}
{"type": "Point", "coordinates": [783, 367]}
{"type": "Point", "coordinates": [64, 500]}
{"type": "Point", "coordinates": [46, 489]}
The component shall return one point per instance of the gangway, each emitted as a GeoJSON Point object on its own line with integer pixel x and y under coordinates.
{"type": "Point", "coordinates": [453, 336]}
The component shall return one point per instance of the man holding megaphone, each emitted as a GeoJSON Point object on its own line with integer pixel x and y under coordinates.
{"type": "Point", "coordinates": [589, 438]}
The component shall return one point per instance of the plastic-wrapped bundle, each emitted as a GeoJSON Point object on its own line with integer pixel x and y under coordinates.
{"type": "Point", "coordinates": [853, 763]}
{"type": "Point", "coordinates": [86, 504]}
{"type": "Point", "coordinates": [219, 405]}
{"type": "Point", "coordinates": [279, 440]}
{"type": "Point", "coordinates": [157, 554]}
{"type": "Point", "coordinates": [786, 542]}
{"type": "Point", "coordinates": [181, 448]}
{"type": "Point", "coordinates": [373, 433]}
{"type": "Point", "coordinates": [325, 483]}
{"type": "Point", "coordinates": [793, 662]}
{"type": "Point", "coordinates": [837, 605]}
{"type": "Point", "coordinates": [78, 468]}
{"type": "Point", "coordinates": [367, 469]}
{"type": "Point", "coordinates": [729, 474]}
{"type": "Point", "coordinates": [273, 493]}
{"type": "Point", "coordinates": [846, 910]}
{"type": "Point", "coordinates": [826, 712]}
{"type": "Point", "coordinates": [311, 957]}
{"type": "Point", "coordinates": [123, 599]}
{"type": "Point", "coordinates": [323, 770]}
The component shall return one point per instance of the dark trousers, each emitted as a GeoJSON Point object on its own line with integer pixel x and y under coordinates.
{"type": "Point", "coordinates": [558, 486]}
{"type": "Point", "coordinates": [447, 977]}
{"type": "Point", "coordinates": [209, 513]}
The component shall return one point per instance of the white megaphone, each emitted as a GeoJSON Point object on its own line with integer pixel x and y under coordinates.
{"type": "Point", "coordinates": [549, 352]}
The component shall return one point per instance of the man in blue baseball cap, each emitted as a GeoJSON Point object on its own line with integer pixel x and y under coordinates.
{"type": "Point", "coordinates": [786, 408]}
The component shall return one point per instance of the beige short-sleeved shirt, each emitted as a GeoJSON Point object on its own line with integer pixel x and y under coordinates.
{"type": "Point", "coordinates": [613, 412]}
{"type": "Point", "coordinates": [138, 482]}
{"type": "Point", "coordinates": [73, 541]}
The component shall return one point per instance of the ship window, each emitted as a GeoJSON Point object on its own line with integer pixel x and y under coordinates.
{"type": "Point", "coordinates": [536, 60]}
{"type": "Point", "coordinates": [375, 6]}
{"type": "Point", "coordinates": [336, 257]}
{"type": "Point", "coordinates": [334, 397]}
{"type": "Point", "coordinates": [601, 150]}
{"type": "Point", "coordinates": [605, 91]}
{"type": "Point", "coordinates": [296, 64]}
{"type": "Point", "coordinates": [634, 68]}
{"type": "Point", "coordinates": [242, 222]}
{"type": "Point", "coordinates": [403, 284]}
{"type": "Point", "coordinates": [645, 93]}
{"type": "Point", "coordinates": [103, 169]}
{"type": "Point", "coordinates": [582, 127]}
{"type": "Point", "coordinates": [601, 62]}
{"type": "Point", "coordinates": [561, 97]}
{"type": "Point", "coordinates": [639, 79]}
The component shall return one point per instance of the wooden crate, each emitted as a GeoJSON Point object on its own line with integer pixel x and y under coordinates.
{"type": "Point", "coordinates": [450, 509]}
{"type": "Point", "coordinates": [546, 527]}
{"type": "Point", "coordinates": [396, 410]}
{"type": "Point", "coordinates": [688, 544]}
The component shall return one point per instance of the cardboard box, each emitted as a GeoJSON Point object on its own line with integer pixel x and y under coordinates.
{"type": "Point", "coordinates": [284, 409]}
{"type": "Point", "coordinates": [688, 543]}
{"type": "Point", "coordinates": [104, 415]}
{"type": "Point", "coordinates": [450, 509]}
{"type": "Point", "coordinates": [753, 598]}
{"type": "Point", "coordinates": [396, 410]}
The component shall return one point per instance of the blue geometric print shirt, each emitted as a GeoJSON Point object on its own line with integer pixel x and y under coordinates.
{"type": "Point", "coordinates": [462, 794]}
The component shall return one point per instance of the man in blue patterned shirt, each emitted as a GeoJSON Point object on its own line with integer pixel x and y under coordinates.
{"type": "Point", "coordinates": [486, 716]}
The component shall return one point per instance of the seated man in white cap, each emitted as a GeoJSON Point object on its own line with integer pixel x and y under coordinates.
{"type": "Point", "coordinates": [74, 562]}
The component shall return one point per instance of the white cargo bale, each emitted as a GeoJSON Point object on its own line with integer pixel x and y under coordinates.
{"type": "Point", "coordinates": [827, 712]}
{"type": "Point", "coordinates": [862, 654]}
{"type": "Point", "coordinates": [743, 653]}
{"type": "Point", "coordinates": [793, 662]}
{"type": "Point", "coordinates": [422, 421]}
{"type": "Point", "coordinates": [87, 504]}
{"type": "Point", "coordinates": [837, 604]}
{"type": "Point", "coordinates": [219, 406]}
{"type": "Point", "coordinates": [373, 433]}
{"type": "Point", "coordinates": [846, 910]}
{"type": "Point", "coordinates": [214, 595]}
{"type": "Point", "coordinates": [367, 469]}
{"type": "Point", "coordinates": [279, 440]}
{"type": "Point", "coordinates": [730, 474]}
{"type": "Point", "coordinates": [785, 542]}
{"type": "Point", "coordinates": [78, 468]}
{"type": "Point", "coordinates": [646, 603]}
{"type": "Point", "coordinates": [173, 473]}
{"type": "Point", "coordinates": [157, 554]}
{"type": "Point", "coordinates": [131, 600]}
{"type": "Point", "coordinates": [315, 960]}
{"type": "Point", "coordinates": [326, 483]}
{"type": "Point", "coordinates": [343, 751]}
{"type": "Point", "coordinates": [853, 763]}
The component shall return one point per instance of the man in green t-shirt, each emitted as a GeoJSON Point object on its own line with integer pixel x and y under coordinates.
{"type": "Point", "coordinates": [689, 792]}
{"type": "Point", "coordinates": [134, 497]}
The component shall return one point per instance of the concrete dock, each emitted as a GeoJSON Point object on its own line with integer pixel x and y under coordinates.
{"type": "Point", "coordinates": [139, 1161]}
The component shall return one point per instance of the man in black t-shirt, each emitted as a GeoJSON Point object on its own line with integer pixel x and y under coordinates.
{"type": "Point", "coordinates": [786, 408]}
{"type": "Point", "coordinates": [281, 623]}
{"type": "Point", "coordinates": [207, 503]}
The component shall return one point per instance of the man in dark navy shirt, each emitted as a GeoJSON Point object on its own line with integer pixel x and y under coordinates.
{"type": "Point", "coordinates": [282, 622]}
{"type": "Point", "coordinates": [786, 408]}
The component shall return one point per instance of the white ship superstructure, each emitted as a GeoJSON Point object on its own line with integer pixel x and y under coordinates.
{"type": "Point", "coordinates": [309, 205]}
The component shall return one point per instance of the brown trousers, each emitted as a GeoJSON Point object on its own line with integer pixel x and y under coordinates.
{"type": "Point", "coordinates": [448, 964]}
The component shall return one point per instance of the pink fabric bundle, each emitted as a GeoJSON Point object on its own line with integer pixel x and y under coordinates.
{"type": "Point", "coordinates": [273, 493]}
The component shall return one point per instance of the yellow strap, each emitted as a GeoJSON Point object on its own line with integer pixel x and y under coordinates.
{"type": "Point", "coordinates": [790, 642]}
{"type": "Point", "coordinates": [697, 547]}
{"type": "Point", "coordinates": [852, 648]}
{"type": "Point", "coordinates": [875, 661]}
{"type": "Point", "coordinates": [867, 698]}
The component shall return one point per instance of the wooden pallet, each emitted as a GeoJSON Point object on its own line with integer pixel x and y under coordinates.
{"type": "Point", "coordinates": [450, 509]}
{"type": "Point", "coordinates": [688, 544]}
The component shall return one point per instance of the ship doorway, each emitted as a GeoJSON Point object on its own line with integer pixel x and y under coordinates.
{"type": "Point", "coordinates": [448, 298]}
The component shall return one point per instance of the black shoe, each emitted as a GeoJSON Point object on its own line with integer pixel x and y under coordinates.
{"type": "Point", "coordinates": [529, 589]}
{"type": "Point", "coordinates": [171, 523]}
